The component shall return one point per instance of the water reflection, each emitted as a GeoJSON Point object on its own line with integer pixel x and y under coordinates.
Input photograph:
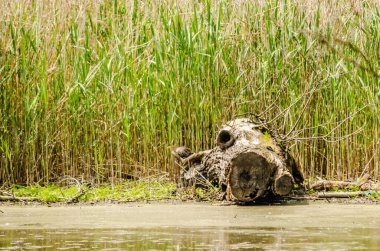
{"type": "Point", "coordinates": [192, 239]}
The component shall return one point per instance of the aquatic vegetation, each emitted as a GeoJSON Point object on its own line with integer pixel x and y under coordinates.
{"type": "Point", "coordinates": [140, 190]}
{"type": "Point", "coordinates": [104, 89]}
{"type": "Point", "coordinates": [51, 193]}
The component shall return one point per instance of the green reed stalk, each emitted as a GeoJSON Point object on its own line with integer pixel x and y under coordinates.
{"type": "Point", "coordinates": [105, 90]}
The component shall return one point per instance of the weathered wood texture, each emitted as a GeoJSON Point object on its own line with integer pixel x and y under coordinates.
{"type": "Point", "coordinates": [247, 163]}
{"type": "Point", "coordinates": [327, 195]}
{"type": "Point", "coordinates": [363, 184]}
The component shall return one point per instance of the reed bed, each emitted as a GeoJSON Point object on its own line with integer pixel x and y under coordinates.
{"type": "Point", "coordinates": [105, 89]}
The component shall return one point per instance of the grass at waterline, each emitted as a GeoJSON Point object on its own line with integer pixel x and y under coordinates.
{"type": "Point", "coordinates": [127, 191]}
{"type": "Point", "coordinates": [105, 89]}
{"type": "Point", "coordinates": [140, 190]}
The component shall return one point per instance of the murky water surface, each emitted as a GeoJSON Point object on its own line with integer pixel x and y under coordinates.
{"type": "Point", "coordinates": [191, 227]}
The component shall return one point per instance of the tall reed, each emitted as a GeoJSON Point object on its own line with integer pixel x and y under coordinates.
{"type": "Point", "coordinates": [104, 89]}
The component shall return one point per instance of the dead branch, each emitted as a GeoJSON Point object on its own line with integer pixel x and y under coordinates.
{"type": "Point", "coordinates": [81, 192]}
{"type": "Point", "coordinates": [369, 68]}
{"type": "Point", "coordinates": [18, 199]}
{"type": "Point", "coordinates": [327, 195]}
{"type": "Point", "coordinates": [363, 184]}
{"type": "Point", "coordinates": [328, 185]}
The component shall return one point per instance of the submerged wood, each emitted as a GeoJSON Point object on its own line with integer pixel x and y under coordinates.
{"type": "Point", "coordinates": [247, 163]}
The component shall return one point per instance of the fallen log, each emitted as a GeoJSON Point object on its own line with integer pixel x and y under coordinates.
{"type": "Point", "coordinates": [247, 163]}
{"type": "Point", "coordinates": [327, 195]}
{"type": "Point", "coordinates": [370, 185]}
{"type": "Point", "coordinates": [18, 199]}
{"type": "Point", "coordinates": [328, 185]}
{"type": "Point", "coordinates": [363, 184]}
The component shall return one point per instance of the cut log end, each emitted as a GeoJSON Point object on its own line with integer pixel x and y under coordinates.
{"type": "Point", "coordinates": [181, 152]}
{"type": "Point", "coordinates": [250, 175]}
{"type": "Point", "coordinates": [225, 139]}
{"type": "Point", "coordinates": [283, 184]}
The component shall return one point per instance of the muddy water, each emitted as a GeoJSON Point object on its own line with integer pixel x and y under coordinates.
{"type": "Point", "coordinates": [191, 227]}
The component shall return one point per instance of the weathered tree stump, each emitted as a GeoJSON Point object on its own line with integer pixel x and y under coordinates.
{"type": "Point", "coordinates": [247, 163]}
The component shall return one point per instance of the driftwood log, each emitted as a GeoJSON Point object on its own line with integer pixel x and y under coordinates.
{"type": "Point", "coordinates": [328, 195]}
{"type": "Point", "coordinates": [363, 184]}
{"type": "Point", "coordinates": [18, 199]}
{"type": "Point", "coordinates": [247, 163]}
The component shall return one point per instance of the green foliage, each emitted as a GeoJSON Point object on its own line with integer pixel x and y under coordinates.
{"type": "Point", "coordinates": [140, 190]}
{"type": "Point", "coordinates": [199, 194]}
{"type": "Point", "coordinates": [105, 89]}
{"type": "Point", "coordinates": [51, 193]}
{"type": "Point", "coordinates": [132, 191]}
{"type": "Point", "coordinates": [374, 195]}
{"type": "Point", "coordinates": [265, 137]}
{"type": "Point", "coordinates": [352, 188]}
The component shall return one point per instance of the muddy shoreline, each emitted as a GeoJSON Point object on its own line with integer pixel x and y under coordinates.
{"type": "Point", "coordinates": [285, 202]}
{"type": "Point", "coordinates": [178, 225]}
{"type": "Point", "coordinates": [317, 214]}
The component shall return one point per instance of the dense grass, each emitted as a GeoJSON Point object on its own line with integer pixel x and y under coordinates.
{"type": "Point", "coordinates": [104, 89]}
{"type": "Point", "coordinates": [127, 191]}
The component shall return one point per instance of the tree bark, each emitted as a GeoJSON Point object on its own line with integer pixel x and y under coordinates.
{"type": "Point", "coordinates": [327, 195]}
{"type": "Point", "coordinates": [247, 163]}
{"type": "Point", "coordinates": [363, 183]}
